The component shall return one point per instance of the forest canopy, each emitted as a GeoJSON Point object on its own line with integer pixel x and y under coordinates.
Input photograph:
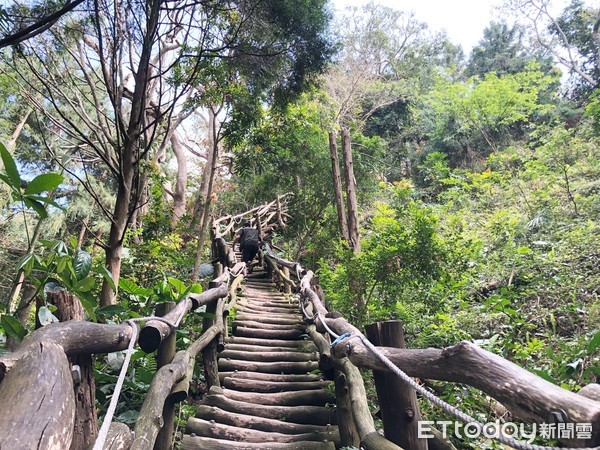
{"type": "Point", "coordinates": [128, 126]}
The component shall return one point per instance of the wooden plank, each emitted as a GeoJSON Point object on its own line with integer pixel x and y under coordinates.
{"type": "Point", "coordinates": [229, 365]}
{"type": "Point", "coordinates": [196, 443]}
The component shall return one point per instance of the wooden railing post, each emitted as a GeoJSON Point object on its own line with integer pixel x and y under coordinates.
{"type": "Point", "coordinates": [209, 353]}
{"type": "Point", "coordinates": [398, 402]}
{"type": "Point", "coordinates": [164, 356]}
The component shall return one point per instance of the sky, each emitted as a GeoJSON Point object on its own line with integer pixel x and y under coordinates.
{"type": "Point", "coordinates": [464, 20]}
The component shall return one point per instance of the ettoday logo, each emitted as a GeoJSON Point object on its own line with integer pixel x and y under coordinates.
{"type": "Point", "coordinates": [522, 432]}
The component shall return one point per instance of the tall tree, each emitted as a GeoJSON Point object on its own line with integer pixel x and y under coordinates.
{"type": "Point", "coordinates": [113, 79]}
{"type": "Point", "coordinates": [502, 50]}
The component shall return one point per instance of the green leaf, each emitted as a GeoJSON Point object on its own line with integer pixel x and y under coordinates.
{"type": "Point", "coordinates": [594, 344]}
{"type": "Point", "coordinates": [36, 206]}
{"type": "Point", "coordinates": [27, 262]}
{"type": "Point", "coordinates": [523, 250]}
{"type": "Point", "coordinates": [111, 310]}
{"type": "Point", "coordinates": [85, 285]}
{"type": "Point", "coordinates": [10, 168]}
{"type": "Point", "coordinates": [43, 183]}
{"type": "Point", "coordinates": [177, 284]}
{"type": "Point", "coordinates": [108, 277]}
{"type": "Point", "coordinates": [195, 288]}
{"type": "Point", "coordinates": [47, 200]}
{"type": "Point", "coordinates": [131, 288]}
{"type": "Point", "coordinates": [13, 327]}
{"type": "Point", "coordinates": [46, 317]}
{"type": "Point", "coordinates": [89, 303]}
{"type": "Point", "coordinates": [82, 264]}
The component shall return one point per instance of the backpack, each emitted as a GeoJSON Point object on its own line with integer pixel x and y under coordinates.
{"type": "Point", "coordinates": [249, 236]}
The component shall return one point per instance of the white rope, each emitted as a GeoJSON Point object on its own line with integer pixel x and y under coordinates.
{"type": "Point", "coordinates": [114, 401]}
{"type": "Point", "coordinates": [450, 408]}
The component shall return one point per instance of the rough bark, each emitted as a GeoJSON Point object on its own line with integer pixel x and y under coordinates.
{"type": "Point", "coordinates": [85, 427]}
{"type": "Point", "coordinates": [526, 395]}
{"type": "Point", "coordinates": [290, 398]}
{"type": "Point", "coordinates": [150, 420]}
{"type": "Point", "coordinates": [40, 417]}
{"type": "Point", "coordinates": [179, 204]}
{"type": "Point", "coordinates": [197, 443]}
{"type": "Point", "coordinates": [337, 187]}
{"type": "Point", "coordinates": [256, 423]}
{"type": "Point", "coordinates": [261, 386]}
{"type": "Point", "coordinates": [398, 401]}
{"type": "Point", "coordinates": [317, 415]}
{"type": "Point", "coordinates": [354, 237]}
{"type": "Point", "coordinates": [348, 434]}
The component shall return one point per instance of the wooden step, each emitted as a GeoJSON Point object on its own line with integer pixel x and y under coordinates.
{"type": "Point", "coordinates": [319, 397]}
{"type": "Point", "coordinates": [229, 365]}
{"type": "Point", "coordinates": [282, 320]}
{"type": "Point", "coordinates": [270, 342]}
{"type": "Point", "coordinates": [262, 386]}
{"type": "Point", "coordinates": [276, 377]}
{"type": "Point", "coordinates": [268, 326]}
{"type": "Point", "coordinates": [257, 423]}
{"type": "Point", "coordinates": [268, 356]}
{"type": "Point", "coordinates": [269, 334]}
{"type": "Point", "coordinates": [196, 443]}
{"type": "Point", "coordinates": [317, 415]}
{"type": "Point", "coordinates": [266, 348]}
{"type": "Point", "coordinates": [221, 431]}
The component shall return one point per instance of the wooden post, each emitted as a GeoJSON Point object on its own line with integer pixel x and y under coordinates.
{"type": "Point", "coordinates": [209, 353]}
{"type": "Point", "coordinates": [288, 286]}
{"type": "Point", "coordinates": [337, 186]}
{"type": "Point", "coordinates": [164, 356]}
{"type": "Point", "coordinates": [345, 420]}
{"type": "Point", "coordinates": [85, 427]}
{"type": "Point", "coordinates": [398, 401]}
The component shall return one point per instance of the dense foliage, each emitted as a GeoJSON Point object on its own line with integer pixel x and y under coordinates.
{"type": "Point", "coordinates": [478, 177]}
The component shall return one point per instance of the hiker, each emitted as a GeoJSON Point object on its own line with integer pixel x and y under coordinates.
{"type": "Point", "coordinates": [249, 241]}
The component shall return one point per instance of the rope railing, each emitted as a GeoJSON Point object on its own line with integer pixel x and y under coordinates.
{"type": "Point", "coordinates": [523, 393]}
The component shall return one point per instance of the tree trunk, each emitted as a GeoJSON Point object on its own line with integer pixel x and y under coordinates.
{"type": "Point", "coordinates": [114, 248]}
{"type": "Point", "coordinates": [206, 191]}
{"type": "Point", "coordinates": [12, 142]}
{"type": "Point", "coordinates": [181, 182]}
{"type": "Point", "coordinates": [337, 187]}
{"type": "Point", "coordinates": [85, 427]}
{"type": "Point", "coordinates": [350, 192]}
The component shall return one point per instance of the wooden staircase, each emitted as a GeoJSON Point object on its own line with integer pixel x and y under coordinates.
{"type": "Point", "coordinates": [272, 395]}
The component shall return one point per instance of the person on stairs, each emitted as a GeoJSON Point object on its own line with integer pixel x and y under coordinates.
{"type": "Point", "coordinates": [249, 241]}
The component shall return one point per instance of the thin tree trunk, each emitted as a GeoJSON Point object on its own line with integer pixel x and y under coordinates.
{"type": "Point", "coordinates": [181, 182]}
{"type": "Point", "coordinates": [20, 277]}
{"type": "Point", "coordinates": [12, 142]}
{"type": "Point", "coordinates": [350, 191]}
{"type": "Point", "coordinates": [337, 186]}
{"type": "Point", "coordinates": [213, 157]}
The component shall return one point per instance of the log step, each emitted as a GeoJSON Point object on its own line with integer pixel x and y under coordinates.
{"type": "Point", "coordinates": [316, 415]}
{"type": "Point", "coordinates": [266, 326]}
{"type": "Point", "coordinates": [220, 431]}
{"type": "Point", "coordinates": [301, 367]}
{"type": "Point", "coordinates": [318, 397]}
{"type": "Point", "coordinates": [257, 423]}
{"type": "Point", "coordinates": [270, 342]}
{"type": "Point", "coordinates": [268, 356]}
{"type": "Point", "coordinates": [196, 442]}
{"type": "Point", "coordinates": [262, 386]}
{"type": "Point", "coordinates": [268, 334]}
{"type": "Point", "coordinates": [266, 348]}
{"type": "Point", "coordinates": [245, 375]}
